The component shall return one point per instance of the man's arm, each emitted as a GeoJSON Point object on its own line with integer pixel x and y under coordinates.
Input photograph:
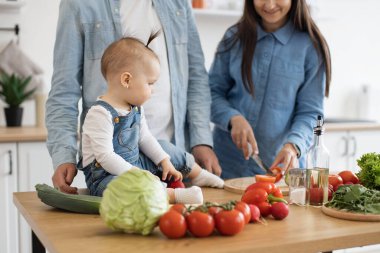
{"type": "Point", "coordinates": [62, 104]}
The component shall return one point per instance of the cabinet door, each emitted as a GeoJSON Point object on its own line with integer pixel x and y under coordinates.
{"type": "Point", "coordinates": [337, 144]}
{"type": "Point", "coordinates": [363, 142]}
{"type": "Point", "coordinates": [36, 167]}
{"type": "Point", "coordinates": [8, 211]}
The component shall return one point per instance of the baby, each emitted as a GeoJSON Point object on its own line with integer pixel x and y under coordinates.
{"type": "Point", "coordinates": [116, 136]}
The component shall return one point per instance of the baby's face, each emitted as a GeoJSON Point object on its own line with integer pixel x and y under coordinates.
{"type": "Point", "coordinates": [141, 88]}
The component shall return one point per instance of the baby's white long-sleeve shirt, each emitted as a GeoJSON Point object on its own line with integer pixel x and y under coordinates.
{"type": "Point", "coordinates": [97, 142]}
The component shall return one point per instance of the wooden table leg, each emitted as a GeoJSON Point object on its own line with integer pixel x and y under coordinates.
{"type": "Point", "coordinates": [37, 246]}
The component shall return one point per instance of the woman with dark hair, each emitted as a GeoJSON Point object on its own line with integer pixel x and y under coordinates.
{"type": "Point", "coordinates": [270, 74]}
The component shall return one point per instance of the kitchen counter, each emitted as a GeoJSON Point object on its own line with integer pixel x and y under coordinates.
{"type": "Point", "coordinates": [304, 230]}
{"type": "Point", "coordinates": [18, 134]}
{"type": "Point", "coordinates": [352, 126]}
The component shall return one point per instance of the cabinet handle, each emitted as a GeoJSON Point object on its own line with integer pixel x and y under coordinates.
{"type": "Point", "coordinates": [10, 162]}
{"type": "Point", "coordinates": [353, 139]}
{"type": "Point", "coordinates": [345, 151]}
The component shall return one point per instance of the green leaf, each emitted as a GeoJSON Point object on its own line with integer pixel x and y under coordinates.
{"type": "Point", "coordinates": [13, 89]}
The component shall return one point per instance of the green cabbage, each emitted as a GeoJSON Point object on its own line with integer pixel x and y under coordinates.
{"type": "Point", "coordinates": [133, 202]}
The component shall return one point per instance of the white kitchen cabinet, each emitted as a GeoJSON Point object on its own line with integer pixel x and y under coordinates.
{"type": "Point", "coordinates": [8, 185]}
{"type": "Point", "coordinates": [35, 167]}
{"type": "Point", "coordinates": [23, 165]}
{"type": "Point", "coordinates": [346, 146]}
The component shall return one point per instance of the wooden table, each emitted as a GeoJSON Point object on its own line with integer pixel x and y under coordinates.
{"type": "Point", "coordinates": [304, 230]}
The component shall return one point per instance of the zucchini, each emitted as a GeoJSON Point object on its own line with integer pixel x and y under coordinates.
{"type": "Point", "coordinates": [69, 202]}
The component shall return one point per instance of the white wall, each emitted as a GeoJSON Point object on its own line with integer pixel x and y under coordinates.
{"type": "Point", "coordinates": [351, 28]}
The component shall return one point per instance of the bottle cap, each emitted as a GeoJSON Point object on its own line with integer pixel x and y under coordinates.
{"type": "Point", "coordinates": [319, 129]}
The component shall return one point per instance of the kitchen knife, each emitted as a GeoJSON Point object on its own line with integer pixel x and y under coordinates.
{"type": "Point", "coordinates": [259, 162]}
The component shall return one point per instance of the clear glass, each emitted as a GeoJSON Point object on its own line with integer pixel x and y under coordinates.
{"type": "Point", "coordinates": [297, 186]}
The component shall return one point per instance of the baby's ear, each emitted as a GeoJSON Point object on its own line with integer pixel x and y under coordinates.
{"type": "Point", "coordinates": [125, 79]}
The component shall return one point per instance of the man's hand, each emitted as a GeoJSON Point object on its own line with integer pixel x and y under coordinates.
{"type": "Point", "coordinates": [206, 158]}
{"type": "Point", "coordinates": [287, 157]}
{"type": "Point", "coordinates": [168, 171]}
{"type": "Point", "coordinates": [242, 135]}
{"type": "Point", "coordinates": [64, 176]}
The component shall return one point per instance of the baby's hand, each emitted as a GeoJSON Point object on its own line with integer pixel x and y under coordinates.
{"type": "Point", "coordinates": [168, 171]}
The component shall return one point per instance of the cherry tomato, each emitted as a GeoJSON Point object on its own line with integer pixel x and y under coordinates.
{"type": "Point", "coordinates": [255, 196]}
{"type": "Point", "coordinates": [172, 224]}
{"type": "Point", "coordinates": [279, 210]}
{"type": "Point", "coordinates": [176, 184]}
{"type": "Point", "coordinates": [244, 209]}
{"type": "Point", "coordinates": [181, 208]}
{"type": "Point", "coordinates": [348, 176]}
{"type": "Point", "coordinates": [278, 193]}
{"type": "Point", "coordinates": [229, 222]}
{"type": "Point", "coordinates": [212, 210]}
{"type": "Point", "coordinates": [200, 224]}
{"type": "Point", "coordinates": [264, 208]}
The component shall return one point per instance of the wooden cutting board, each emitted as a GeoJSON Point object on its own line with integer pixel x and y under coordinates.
{"type": "Point", "coordinates": [238, 185]}
{"type": "Point", "coordinates": [349, 216]}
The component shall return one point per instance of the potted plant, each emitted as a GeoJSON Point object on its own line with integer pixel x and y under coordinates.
{"type": "Point", "coordinates": [13, 92]}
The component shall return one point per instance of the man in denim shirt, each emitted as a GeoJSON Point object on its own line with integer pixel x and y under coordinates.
{"type": "Point", "coordinates": [179, 109]}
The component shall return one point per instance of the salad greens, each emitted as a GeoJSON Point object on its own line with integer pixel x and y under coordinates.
{"type": "Point", "coordinates": [356, 198]}
{"type": "Point", "coordinates": [134, 202]}
{"type": "Point", "coordinates": [369, 174]}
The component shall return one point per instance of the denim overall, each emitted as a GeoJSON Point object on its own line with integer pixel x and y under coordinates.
{"type": "Point", "coordinates": [125, 143]}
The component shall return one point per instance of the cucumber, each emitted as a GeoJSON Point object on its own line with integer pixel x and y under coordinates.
{"type": "Point", "coordinates": [70, 202]}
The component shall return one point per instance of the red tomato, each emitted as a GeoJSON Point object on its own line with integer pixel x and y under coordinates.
{"type": "Point", "coordinates": [265, 178]}
{"type": "Point", "coordinates": [348, 176]}
{"type": "Point", "coordinates": [336, 188]}
{"type": "Point", "coordinates": [173, 224]}
{"type": "Point", "coordinates": [279, 210]}
{"type": "Point", "coordinates": [229, 222]}
{"type": "Point", "coordinates": [212, 210]}
{"type": "Point", "coordinates": [268, 187]}
{"type": "Point", "coordinates": [200, 224]}
{"type": "Point", "coordinates": [176, 184]}
{"type": "Point", "coordinates": [244, 209]}
{"type": "Point", "coordinates": [264, 208]}
{"type": "Point", "coordinates": [331, 191]}
{"type": "Point", "coordinates": [334, 180]}
{"type": "Point", "coordinates": [255, 196]}
{"type": "Point", "coordinates": [181, 208]}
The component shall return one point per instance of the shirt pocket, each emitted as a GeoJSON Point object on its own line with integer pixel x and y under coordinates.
{"type": "Point", "coordinates": [98, 36]}
{"type": "Point", "coordinates": [284, 81]}
{"type": "Point", "coordinates": [179, 26]}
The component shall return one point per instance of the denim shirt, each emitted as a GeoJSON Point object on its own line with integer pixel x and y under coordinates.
{"type": "Point", "coordinates": [85, 28]}
{"type": "Point", "coordinates": [289, 86]}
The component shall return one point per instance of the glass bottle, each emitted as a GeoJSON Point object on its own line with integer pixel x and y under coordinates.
{"type": "Point", "coordinates": [317, 168]}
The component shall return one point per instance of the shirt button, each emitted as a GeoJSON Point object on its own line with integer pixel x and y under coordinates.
{"type": "Point", "coordinates": [266, 55]}
{"type": "Point", "coordinates": [97, 25]}
{"type": "Point", "coordinates": [116, 10]}
{"type": "Point", "coordinates": [178, 13]}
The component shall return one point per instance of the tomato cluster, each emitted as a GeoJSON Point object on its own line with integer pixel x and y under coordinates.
{"type": "Point", "coordinates": [202, 221]}
{"type": "Point", "coordinates": [268, 198]}
{"type": "Point", "coordinates": [342, 178]}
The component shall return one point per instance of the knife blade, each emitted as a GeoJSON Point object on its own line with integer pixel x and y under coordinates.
{"type": "Point", "coordinates": [259, 162]}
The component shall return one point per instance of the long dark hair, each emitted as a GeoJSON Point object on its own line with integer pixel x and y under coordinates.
{"type": "Point", "coordinates": [246, 33]}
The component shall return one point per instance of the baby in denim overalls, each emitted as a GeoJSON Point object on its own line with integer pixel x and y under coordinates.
{"type": "Point", "coordinates": [116, 137]}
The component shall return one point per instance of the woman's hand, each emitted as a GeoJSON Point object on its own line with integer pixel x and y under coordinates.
{"type": "Point", "coordinates": [287, 157]}
{"type": "Point", "coordinates": [242, 134]}
{"type": "Point", "coordinates": [168, 171]}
